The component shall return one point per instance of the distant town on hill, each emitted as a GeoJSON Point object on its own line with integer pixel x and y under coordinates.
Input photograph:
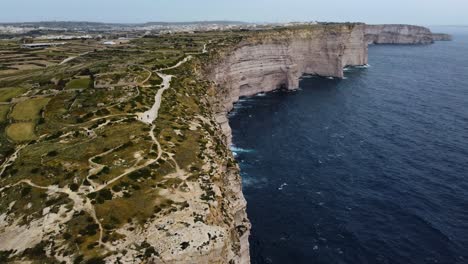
{"type": "Point", "coordinates": [35, 29]}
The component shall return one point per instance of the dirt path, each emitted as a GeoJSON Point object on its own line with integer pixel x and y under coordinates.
{"type": "Point", "coordinates": [150, 74]}
{"type": "Point", "coordinates": [11, 159]}
{"type": "Point", "coordinates": [149, 116]}
{"type": "Point", "coordinates": [73, 57]}
{"type": "Point", "coordinates": [177, 65]}
{"type": "Point", "coordinates": [80, 200]}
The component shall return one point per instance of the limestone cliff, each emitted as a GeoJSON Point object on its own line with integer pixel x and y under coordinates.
{"type": "Point", "coordinates": [268, 60]}
{"type": "Point", "coordinates": [277, 59]}
{"type": "Point", "coordinates": [398, 34]}
{"type": "Point", "coordinates": [265, 61]}
{"type": "Point", "coordinates": [441, 37]}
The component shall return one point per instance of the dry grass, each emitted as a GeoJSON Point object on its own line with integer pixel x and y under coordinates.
{"type": "Point", "coordinates": [6, 94]}
{"type": "Point", "coordinates": [81, 83]}
{"type": "Point", "coordinates": [29, 110]}
{"type": "Point", "coordinates": [21, 131]}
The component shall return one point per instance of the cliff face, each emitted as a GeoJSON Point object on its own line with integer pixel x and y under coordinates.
{"type": "Point", "coordinates": [269, 60]}
{"type": "Point", "coordinates": [398, 34]}
{"type": "Point", "coordinates": [277, 59]}
{"type": "Point", "coordinates": [266, 61]}
{"type": "Point", "coordinates": [441, 37]}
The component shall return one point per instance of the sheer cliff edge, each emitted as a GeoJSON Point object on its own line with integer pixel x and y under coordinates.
{"type": "Point", "coordinates": [276, 59]}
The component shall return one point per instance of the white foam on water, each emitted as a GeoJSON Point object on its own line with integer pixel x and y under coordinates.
{"type": "Point", "coordinates": [248, 181]}
{"type": "Point", "coordinates": [282, 186]}
{"type": "Point", "coordinates": [363, 66]}
{"type": "Point", "coordinates": [237, 150]}
{"type": "Point", "coordinates": [350, 68]}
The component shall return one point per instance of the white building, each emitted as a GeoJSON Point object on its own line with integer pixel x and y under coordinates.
{"type": "Point", "coordinates": [42, 45]}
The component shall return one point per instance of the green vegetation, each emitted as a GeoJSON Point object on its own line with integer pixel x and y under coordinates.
{"type": "Point", "coordinates": [6, 94]}
{"type": "Point", "coordinates": [110, 173]}
{"type": "Point", "coordinates": [21, 131]}
{"type": "Point", "coordinates": [79, 83]}
{"type": "Point", "coordinates": [29, 110]}
{"type": "Point", "coordinates": [4, 109]}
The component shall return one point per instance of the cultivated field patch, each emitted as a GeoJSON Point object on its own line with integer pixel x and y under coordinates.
{"type": "Point", "coordinates": [6, 94]}
{"type": "Point", "coordinates": [29, 110]}
{"type": "Point", "coordinates": [80, 83]}
{"type": "Point", "coordinates": [21, 131]}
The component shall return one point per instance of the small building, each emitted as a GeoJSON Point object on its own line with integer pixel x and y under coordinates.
{"type": "Point", "coordinates": [41, 45]}
{"type": "Point", "coordinates": [109, 43]}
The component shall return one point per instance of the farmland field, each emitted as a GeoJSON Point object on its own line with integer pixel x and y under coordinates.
{"type": "Point", "coordinates": [79, 83]}
{"type": "Point", "coordinates": [21, 131]}
{"type": "Point", "coordinates": [6, 94]}
{"type": "Point", "coordinates": [29, 109]}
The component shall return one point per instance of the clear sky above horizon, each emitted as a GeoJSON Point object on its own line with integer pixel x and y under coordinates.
{"type": "Point", "coordinates": [424, 12]}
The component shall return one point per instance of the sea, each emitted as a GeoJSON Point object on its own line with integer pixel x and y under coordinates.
{"type": "Point", "coordinates": [372, 168]}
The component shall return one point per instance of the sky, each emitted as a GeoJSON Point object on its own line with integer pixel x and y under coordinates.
{"type": "Point", "coordinates": [422, 12]}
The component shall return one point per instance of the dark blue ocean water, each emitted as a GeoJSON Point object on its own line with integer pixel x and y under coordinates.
{"type": "Point", "coordinates": [370, 169]}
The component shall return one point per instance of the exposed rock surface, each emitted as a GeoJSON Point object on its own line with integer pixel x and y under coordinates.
{"type": "Point", "coordinates": [441, 37]}
{"type": "Point", "coordinates": [398, 34]}
{"type": "Point", "coordinates": [272, 60]}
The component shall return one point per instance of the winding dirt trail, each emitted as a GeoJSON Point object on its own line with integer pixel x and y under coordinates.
{"type": "Point", "coordinates": [11, 159]}
{"type": "Point", "coordinates": [80, 200]}
{"type": "Point", "coordinates": [151, 115]}
{"type": "Point", "coordinates": [73, 57]}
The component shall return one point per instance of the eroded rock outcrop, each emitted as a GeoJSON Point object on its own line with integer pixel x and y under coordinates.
{"type": "Point", "coordinates": [398, 34]}
{"type": "Point", "coordinates": [277, 59]}
{"type": "Point", "coordinates": [441, 37]}
{"type": "Point", "coordinates": [269, 60]}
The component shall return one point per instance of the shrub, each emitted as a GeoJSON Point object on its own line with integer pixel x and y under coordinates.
{"type": "Point", "coordinates": [106, 194]}
{"type": "Point", "coordinates": [52, 153]}
{"type": "Point", "coordinates": [74, 187]}
{"type": "Point", "coordinates": [96, 260]}
{"type": "Point", "coordinates": [25, 191]}
{"type": "Point", "coordinates": [67, 236]}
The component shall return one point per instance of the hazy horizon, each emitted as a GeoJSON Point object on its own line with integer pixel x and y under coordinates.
{"type": "Point", "coordinates": [199, 21]}
{"type": "Point", "coordinates": [431, 12]}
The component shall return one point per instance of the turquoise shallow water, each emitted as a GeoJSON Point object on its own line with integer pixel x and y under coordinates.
{"type": "Point", "coordinates": [370, 169]}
